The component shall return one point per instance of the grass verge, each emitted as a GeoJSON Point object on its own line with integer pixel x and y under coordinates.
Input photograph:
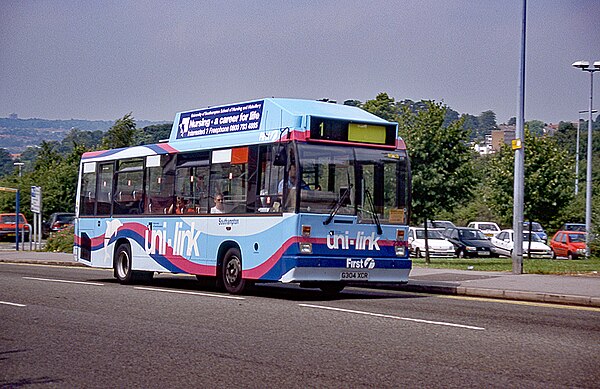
{"type": "Point", "coordinates": [530, 266]}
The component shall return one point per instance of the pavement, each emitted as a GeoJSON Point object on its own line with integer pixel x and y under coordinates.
{"type": "Point", "coordinates": [582, 290]}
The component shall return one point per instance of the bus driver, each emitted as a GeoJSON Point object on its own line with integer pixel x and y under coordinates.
{"type": "Point", "coordinates": [291, 184]}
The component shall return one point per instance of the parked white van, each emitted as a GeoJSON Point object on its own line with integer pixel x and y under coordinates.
{"type": "Point", "coordinates": [489, 229]}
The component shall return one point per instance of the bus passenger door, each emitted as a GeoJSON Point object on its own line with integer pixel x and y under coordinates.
{"type": "Point", "coordinates": [85, 209]}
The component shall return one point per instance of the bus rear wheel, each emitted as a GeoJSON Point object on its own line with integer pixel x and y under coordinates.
{"type": "Point", "coordinates": [231, 272]}
{"type": "Point", "coordinates": [123, 270]}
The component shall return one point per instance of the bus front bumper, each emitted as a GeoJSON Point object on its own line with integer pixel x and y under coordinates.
{"type": "Point", "coordinates": [302, 269]}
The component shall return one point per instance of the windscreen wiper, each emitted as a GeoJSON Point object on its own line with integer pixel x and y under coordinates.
{"type": "Point", "coordinates": [374, 211]}
{"type": "Point", "coordinates": [338, 204]}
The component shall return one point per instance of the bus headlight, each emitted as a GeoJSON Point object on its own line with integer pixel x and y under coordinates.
{"type": "Point", "coordinates": [400, 246]}
{"type": "Point", "coordinates": [305, 248]}
{"type": "Point", "coordinates": [400, 251]}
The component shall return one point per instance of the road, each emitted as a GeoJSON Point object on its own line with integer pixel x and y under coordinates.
{"type": "Point", "coordinates": [77, 327]}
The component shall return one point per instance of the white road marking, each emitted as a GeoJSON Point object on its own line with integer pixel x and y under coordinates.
{"type": "Point", "coordinates": [441, 323]}
{"type": "Point", "coordinates": [13, 304]}
{"type": "Point", "coordinates": [192, 293]}
{"type": "Point", "coordinates": [64, 281]}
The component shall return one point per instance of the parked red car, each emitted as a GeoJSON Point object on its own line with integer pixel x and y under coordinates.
{"type": "Point", "coordinates": [570, 244]}
{"type": "Point", "coordinates": [7, 225]}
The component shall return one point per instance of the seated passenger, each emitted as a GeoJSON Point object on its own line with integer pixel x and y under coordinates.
{"type": "Point", "coordinates": [179, 207]}
{"type": "Point", "coordinates": [219, 206]}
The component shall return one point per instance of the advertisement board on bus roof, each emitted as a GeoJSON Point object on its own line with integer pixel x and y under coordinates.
{"type": "Point", "coordinates": [220, 120]}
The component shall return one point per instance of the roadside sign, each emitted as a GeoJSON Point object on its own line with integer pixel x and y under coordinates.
{"type": "Point", "coordinates": [36, 199]}
{"type": "Point", "coordinates": [516, 144]}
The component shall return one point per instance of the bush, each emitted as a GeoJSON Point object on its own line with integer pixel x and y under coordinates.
{"type": "Point", "coordinates": [61, 241]}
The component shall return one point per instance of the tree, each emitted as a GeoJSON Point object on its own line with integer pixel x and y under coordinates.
{"type": "Point", "coordinates": [29, 156]}
{"type": "Point", "coordinates": [566, 137]}
{"type": "Point", "coordinates": [382, 106]}
{"type": "Point", "coordinates": [470, 123]}
{"type": "Point", "coordinates": [451, 116]}
{"type": "Point", "coordinates": [121, 134]}
{"type": "Point", "coordinates": [536, 127]}
{"type": "Point", "coordinates": [47, 157]}
{"type": "Point", "coordinates": [6, 163]}
{"type": "Point", "coordinates": [487, 121]}
{"type": "Point", "coordinates": [549, 181]}
{"type": "Point", "coordinates": [441, 161]}
{"type": "Point", "coordinates": [153, 134]}
{"type": "Point", "coordinates": [54, 173]}
{"type": "Point", "coordinates": [353, 103]}
{"type": "Point", "coordinates": [76, 137]}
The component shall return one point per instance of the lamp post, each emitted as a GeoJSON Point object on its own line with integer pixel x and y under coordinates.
{"type": "Point", "coordinates": [18, 211]}
{"type": "Point", "coordinates": [585, 66]}
{"type": "Point", "coordinates": [519, 168]}
{"type": "Point", "coordinates": [577, 153]}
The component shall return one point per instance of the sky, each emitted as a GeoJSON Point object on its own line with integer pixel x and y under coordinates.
{"type": "Point", "coordinates": [99, 60]}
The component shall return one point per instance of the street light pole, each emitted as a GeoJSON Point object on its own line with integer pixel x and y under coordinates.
{"type": "Point", "coordinates": [519, 168]}
{"type": "Point", "coordinates": [585, 66]}
{"type": "Point", "coordinates": [577, 152]}
{"type": "Point", "coordinates": [17, 206]}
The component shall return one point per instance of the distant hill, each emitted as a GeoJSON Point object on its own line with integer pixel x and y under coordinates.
{"type": "Point", "coordinates": [18, 134]}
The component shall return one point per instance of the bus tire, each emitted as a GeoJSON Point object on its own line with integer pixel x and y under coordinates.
{"type": "Point", "coordinates": [123, 269]}
{"type": "Point", "coordinates": [122, 264]}
{"type": "Point", "coordinates": [231, 272]}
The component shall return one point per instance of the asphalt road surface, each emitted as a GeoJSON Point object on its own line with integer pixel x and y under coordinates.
{"type": "Point", "coordinates": [77, 327]}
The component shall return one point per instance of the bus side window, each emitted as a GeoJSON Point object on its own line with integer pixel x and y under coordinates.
{"type": "Point", "coordinates": [160, 178]}
{"type": "Point", "coordinates": [104, 189]}
{"type": "Point", "coordinates": [230, 178]}
{"type": "Point", "coordinates": [128, 193]}
{"type": "Point", "coordinates": [191, 182]}
{"type": "Point", "coordinates": [87, 200]}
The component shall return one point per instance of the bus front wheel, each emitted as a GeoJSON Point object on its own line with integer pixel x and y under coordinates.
{"type": "Point", "coordinates": [123, 270]}
{"type": "Point", "coordinates": [231, 272]}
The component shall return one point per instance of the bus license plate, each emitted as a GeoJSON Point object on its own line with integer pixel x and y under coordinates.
{"type": "Point", "coordinates": [354, 275]}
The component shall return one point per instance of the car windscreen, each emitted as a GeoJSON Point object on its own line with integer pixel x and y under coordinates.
{"type": "Point", "coordinates": [442, 224]}
{"type": "Point", "coordinates": [11, 219]}
{"type": "Point", "coordinates": [534, 237]}
{"type": "Point", "coordinates": [433, 234]}
{"type": "Point", "coordinates": [65, 218]}
{"type": "Point", "coordinates": [535, 226]}
{"type": "Point", "coordinates": [488, 227]}
{"type": "Point", "coordinates": [472, 235]}
{"type": "Point", "coordinates": [577, 238]}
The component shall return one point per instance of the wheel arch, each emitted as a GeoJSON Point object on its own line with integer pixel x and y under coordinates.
{"type": "Point", "coordinates": [226, 245]}
{"type": "Point", "coordinates": [118, 243]}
